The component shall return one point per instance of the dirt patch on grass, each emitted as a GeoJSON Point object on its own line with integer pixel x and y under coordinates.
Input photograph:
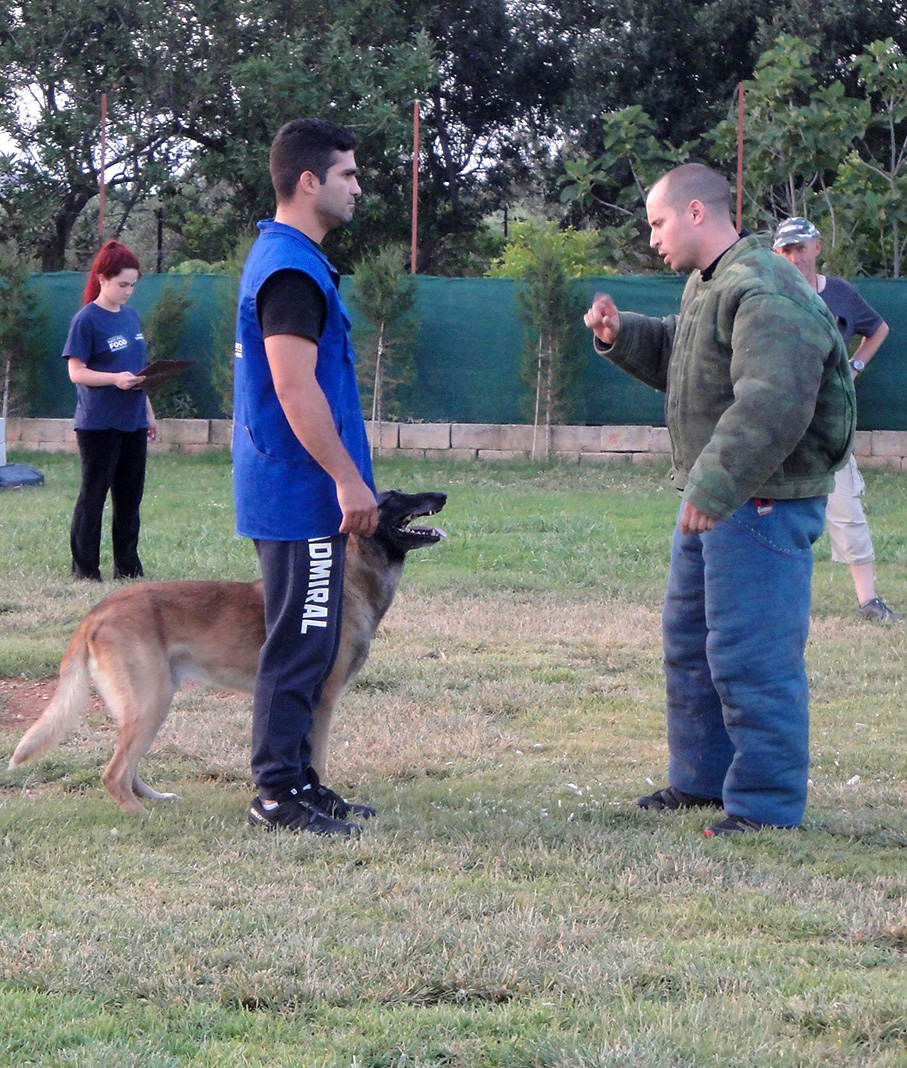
{"type": "Point", "coordinates": [23, 700]}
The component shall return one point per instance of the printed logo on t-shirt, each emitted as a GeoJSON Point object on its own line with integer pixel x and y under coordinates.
{"type": "Point", "coordinates": [117, 342]}
{"type": "Point", "coordinates": [237, 350]}
{"type": "Point", "coordinates": [140, 336]}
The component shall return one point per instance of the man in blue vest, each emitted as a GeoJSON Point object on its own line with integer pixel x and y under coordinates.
{"type": "Point", "coordinates": [301, 468]}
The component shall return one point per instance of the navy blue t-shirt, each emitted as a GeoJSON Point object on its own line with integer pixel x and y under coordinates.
{"type": "Point", "coordinates": [108, 341]}
{"type": "Point", "coordinates": [853, 313]}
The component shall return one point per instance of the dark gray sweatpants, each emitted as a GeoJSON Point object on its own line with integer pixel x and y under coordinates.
{"type": "Point", "coordinates": [303, 590]}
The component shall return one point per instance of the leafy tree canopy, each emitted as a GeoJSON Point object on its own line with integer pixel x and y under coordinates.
{"type": "Point", "coordinates": [809, 149]}
{"type": "Point", "coordinates": [510, 92]}
{"type": "Point", "coordinates": [196, 90]}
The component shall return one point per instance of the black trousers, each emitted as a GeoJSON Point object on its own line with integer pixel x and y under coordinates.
{"type": "Point", "coordinates": [303, 589]}
{"type": "Point", "coordinates": [113, 461]}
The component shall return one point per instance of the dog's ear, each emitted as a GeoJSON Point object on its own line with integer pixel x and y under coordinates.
{"type": "Point", "coordinates": [387, 496]}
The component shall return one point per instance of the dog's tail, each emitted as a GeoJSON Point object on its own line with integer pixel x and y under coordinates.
{"type": "Point", "coordinates": [68, 702]}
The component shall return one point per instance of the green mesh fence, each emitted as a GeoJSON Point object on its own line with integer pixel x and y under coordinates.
{"type": "Point", "coordinates": [468, 351]}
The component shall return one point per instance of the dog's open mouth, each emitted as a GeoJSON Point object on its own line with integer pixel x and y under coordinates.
{"type": "Point", "coordinates": [404, 526]}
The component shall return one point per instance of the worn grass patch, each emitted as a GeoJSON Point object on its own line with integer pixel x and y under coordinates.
{"type": "Point", "coordinates": [510, 907]}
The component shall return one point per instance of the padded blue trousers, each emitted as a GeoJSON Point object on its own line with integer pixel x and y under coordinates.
{"type": "Point", "coordinates": [735, 624]}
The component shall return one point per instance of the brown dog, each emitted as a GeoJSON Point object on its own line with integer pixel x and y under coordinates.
{"type": "Point", "coordinates": [139, 645]}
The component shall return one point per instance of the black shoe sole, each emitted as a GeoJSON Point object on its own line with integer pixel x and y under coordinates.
{"type": "Point", "coordinates": [654, 803]}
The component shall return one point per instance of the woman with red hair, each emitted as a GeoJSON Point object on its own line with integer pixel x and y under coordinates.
{"type": "Point", "coordinates": [114, 420]}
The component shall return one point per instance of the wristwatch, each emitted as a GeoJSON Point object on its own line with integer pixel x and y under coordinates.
{"type": "Point", "coordinates": [857, 365]}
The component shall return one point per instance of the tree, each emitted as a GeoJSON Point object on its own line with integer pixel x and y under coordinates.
{"type": "Point", "coordinates": [548, 260]}
{"type": "Point", "coordinates": [193, 91]}
{"type": "Point", "coordinates": [837, 29]}
{"type": "Point", "coordinates": [343, 61]}
{"type": "Point", "coordinates": [23, 327]}
{"type": "Point", "coordinates": [617, 181]}
{"type": "Point", "coordinates": [163, 329]}
{"type": "Point", "coordinates": [508, 88]}
{"type": "Point", "coordinates": [384, 297]}
{"type": "Point", "coordinates": [579, 251]}
{"type": "Point", "coordinates": [223, 334]}
{"type": "Point", "coordinates": [679, 65]}
{"type": "Point", "coordinates": [877, 173]}
{"type": "Point", "coordinates": [196, 88]}
{"type": "Point", "coordinates": [222, 318]}
{"type": "Point", "coordinates": [795, 132]}
{"type": "Point", "coordinates": [809, 149]}
{"type": "Point", "coordinates": [681, 61]}
{"type": "Point", "coordinates": [57, 59]}
{"type": "Point", "coordinates": [813, 150]}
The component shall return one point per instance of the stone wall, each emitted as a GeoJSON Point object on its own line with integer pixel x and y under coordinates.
{"type": "Point", "coordinates": [174, 435]}
{"type": "Point", "coordinates": [460, 441]}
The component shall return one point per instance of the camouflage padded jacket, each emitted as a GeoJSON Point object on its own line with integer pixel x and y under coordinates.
{"type": "Point", "coordinates": [759, 395]}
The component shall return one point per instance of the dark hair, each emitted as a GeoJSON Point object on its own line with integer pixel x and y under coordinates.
{"type": "Point", "coordinates": [305, 145]}
{"type": "Point", "coordinates": [695, 181]}
{"type": "Point", "coordinates": [113, 258]}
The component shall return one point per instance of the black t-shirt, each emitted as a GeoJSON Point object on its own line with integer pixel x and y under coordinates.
{"type": "Point", "coordinates": [290, 302]}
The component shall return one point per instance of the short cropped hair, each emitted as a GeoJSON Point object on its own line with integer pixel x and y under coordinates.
{"type": "Point", "coordinates": [695, 181]}
{"type": "Point", "coordinates": [305, 145]}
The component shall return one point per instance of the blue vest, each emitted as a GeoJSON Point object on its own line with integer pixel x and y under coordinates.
{"type": "Point", "coordinates": [282, 493]}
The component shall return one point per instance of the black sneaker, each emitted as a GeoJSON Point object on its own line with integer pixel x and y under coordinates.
{"type": "Point", "coordinates": [877, 610]}
{"type": "Point", "coordinates": [295, 815]}
{"type": "Point", "coordinates": [672, 798]}
{"type": "Point", "coordinates": [734, 825]}
{"type": "Point", "coordinates": [317, 794]}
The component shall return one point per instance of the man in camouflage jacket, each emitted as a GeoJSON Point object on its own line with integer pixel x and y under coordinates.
{"type": "Point", "coordinates": [760, 409]}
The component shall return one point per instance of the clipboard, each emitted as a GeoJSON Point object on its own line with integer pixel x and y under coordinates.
{"type": "Point", "coordinates": [161, 371]}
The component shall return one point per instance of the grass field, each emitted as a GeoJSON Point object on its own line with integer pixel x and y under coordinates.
{"type": "Point", "coordinates": [510, 907]}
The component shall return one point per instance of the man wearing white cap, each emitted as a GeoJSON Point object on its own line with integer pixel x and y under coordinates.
{"type": "Point", "coordinates": [799, 242]}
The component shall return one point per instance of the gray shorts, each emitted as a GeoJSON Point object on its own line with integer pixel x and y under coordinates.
{"type": "Point", "coordinates": [845, 520]}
